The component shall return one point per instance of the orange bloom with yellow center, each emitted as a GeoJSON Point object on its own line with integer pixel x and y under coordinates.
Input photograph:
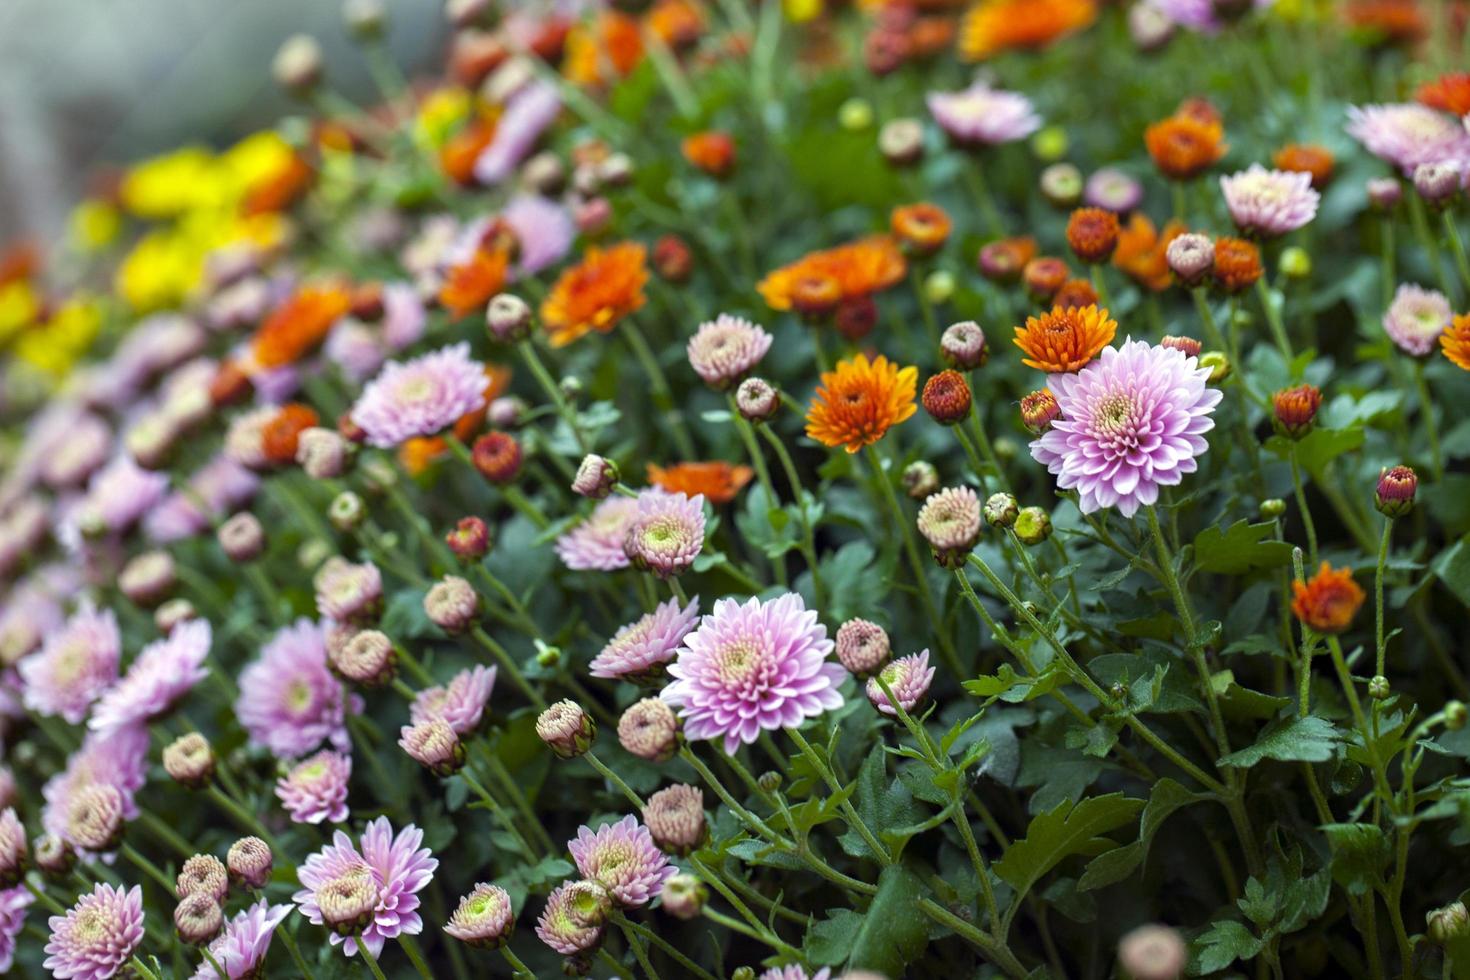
{"type": "Point", "coordinates": [1449, 93]}
{"type": "Point", "coordinates": [471, 284]}
{"type": "Point", "coordinates": [993, 26]}
{"type": "Point", "coordinates": [596, 293]}
{"type": "Point", "coordinates": [860, 401]}
{"type": "Point", "coordinates": [1142, 252]}
{"type": "Point", "coordinates": [712, 151]}
{"type": "Point", "coordinates": [298, 325]}
{"type": "Point", "coordinates": [1455, 341]}
{"type": "Point", "coordinates": [923, 227]}
{"type": "Point", "coordinates": [1065, 339]}
{"type": "Point", "coordinates": [1328, 601]}
{"type": "Point", "coordinates": [1307, 158]}
{"type": "Point", "coordinates": [718, 481]}
{"type": "Point", "coordinates": [1185, 145]}
{"type": "Point", "coordinates": [858, 268]}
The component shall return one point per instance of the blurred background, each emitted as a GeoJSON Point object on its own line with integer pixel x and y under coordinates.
{"type": "Point", "coordinates": [87, 83]}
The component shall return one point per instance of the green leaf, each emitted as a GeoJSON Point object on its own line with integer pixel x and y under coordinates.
{"type": "Point", "coordinates": [1318, 448]}
{"type": "Point", "coordinates": [1060, 833]}
{"type": "Point", "coordinates": [1453, 569]}
{"type": "Point", "coordinates": [1014, 688]}
{"type": "Point", "coordinates": [1309, 739]}
{"type": "Point", "coordinates": [1241, 702]}
{"type": "Point", "coordinates": [1220, 945]}
{"type": "Point", "coordinates": [829, 942]}
{"type": "Point", "coordinates": [1359, 855]}
{"type": "Point", "coordinates": [1115, 865]}
{"type": "Point", "coordinates": [893, 931]}
{"type": "Point", "coordinates": [1240, 548]}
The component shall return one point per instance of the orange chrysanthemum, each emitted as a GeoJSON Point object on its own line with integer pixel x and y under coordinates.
{"type": "Point", "coordinates": [280, 189]}
{"type": "Point", "coordinates": [718, 481]}
{"type": "Point", "coordinates": [922, 227]}
{"type": "Point", "coordinates": [458, 154]}
{"type": "Point", "coordinates": [1307, 158]}
{"type": "Point", "coordinates": [420, 452]}
{"type": "Point", "coordinates": [1142, 252]}
{"type": "Point", "coordinates": [1450, 92]}
{"type": "Point", "coordinates": [1237, 264]}
{"type": "Point", "coordinates": [678, 23]}
{"type": "Point", "coordinates": [1387, 21]}
{"type": "Point", "coordinates": [711, 151]}
{"type": "Point", "coordinates": [1075, 292]}
{"type": "Point", "coordinates": [298, 325]}
{"type": "Point", "coordinates": [993, 26]}
{"type": "Point", "coordinates": [858, 268]}
{"type": "Point", "coordinates": [860, 401]}
{"type": "Point", "coordinates": [1066, 338]}
{"type": "Point", "coordinates": [614, 42]}
{"type": "Point", "coordinates": [595, 293]}
{"type": "Point", "coordinates": [1184, 145]}
{"type": "Point", "coordinates": [1328, 601]}
{"type": "Point", "coordinates": [1455, 341]}
{"type": "Point", "coordinates": [471, 284]}
{"type": "Point", "coordinates": [1092, 234]}
{"type": "Point", "coordinates": [279, 437]}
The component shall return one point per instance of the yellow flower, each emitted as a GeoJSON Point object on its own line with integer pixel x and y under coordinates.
{"type": "Point", "coordinates": [440, 114]}
{"type": "Point", "coordinates": [95, 224]}
{"type": "Point", "coordinates": [160, 270]}
{"type": "Point", "coordinates": [168, 185]}
{"type": "Point", "coordinates": [55, 346]}
{"type": "Point", "coordinates": [18, 307]}
{"type": "Point", "coordinates": [801, 11]}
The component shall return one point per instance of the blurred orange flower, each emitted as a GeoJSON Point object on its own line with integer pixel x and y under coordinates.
{"type": "Point", "coordinates": [860, 401]}
{"type": "Point", "coordinates": [279, 437]}
{"type": "Point", "coordinates": [1185, 145]}
{"type": "Point", "coordinates": [1455, 341]}
{"type": "Point", "coordinates": [923, 227]}
{"type": "Point", "coordinates": [613, 42]}
{"type": "Point", "coordinates": [596, 293]}
{"type": "Point", "coordinates": [1141, 252]}
{"type": "Point", "coordinates": [993, 26]}
{"type": "Point", "coordinates": [1328, 601]}
{"type": "Point", "coordinates": [857, 269]}
{"type": "Point", "coordinates": [1308, 158]}
{"type": "Point", "coordinates": [718, 481]}
{"type": "Point", "coordinates": [470, 285]}
{"type": "Point", "coordinates": [1449, 92]}
{"type": "Point", "coordinates": [299, 324]}
{"type": "Point", "coordinates": [711, 151]}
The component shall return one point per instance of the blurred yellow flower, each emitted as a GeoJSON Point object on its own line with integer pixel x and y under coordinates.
{"type": "Point", "coordinates": [55, 346]}
{"type": "Point", "coordinates": [801, 11]}
{"type": "Point", "coordinates": [95, 224]}
{"type": "Point", "coordinates": [440, 114]}
{"type": "Point", "coordinates": [172, 183]}
{"type": "Point", "coordinates": [159, 271]}
{"type": "Point", "coordinates": [19, 305]}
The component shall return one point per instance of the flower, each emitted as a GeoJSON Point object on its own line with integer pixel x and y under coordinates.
{"type": "Point", "coordinates": [950, 522]}
{"type": "Point", "coordinates": [1142, 252]}
{"type": "Point", "coordinates": [164, 671]}
{"type": "Point", "coordinates": [796, 973]}
{"type": "Point", "coordinates": [1092, 234]}
{"type": "Point", "coordinates": [469, 284]}
{"type": "Point", "coordinates": [396, 866]}
{"type": "Point", "coordinates": [596, 293]}
{"type": "Point", "coordinates": [1307, 158]}
{"type": "Point", "coordinates": [1269, 203]}
{"type": "Point", "coordinates": [755, 667]}
{"type": "Point", "coordinates": [13, 840]}
{"type": "Point", "coordinates": [1184, 146]}
{"type": "Point", "coordinates": [433, 745]}
{"type": "Point", "coordinates": [862, 647]}
{"type": "Point", "coordinates": [561, 928]}
{"type": "Point", "coordinates": [757, 400]}
{"type": "Point", "coordinates": [1191, 257]}
{"type": "Point", "coordinates": [298, 325]}
{"type": "Point", "coordinates": [461, 702]}
{"type": "Point", "coordinates": [527, 115]}
{"type": "Point", "coordinates": [1205, 16]}
{"type": "Point", "coordinates": [13, 905]}
{"type": "Point", "coordinates": [623, 858]}
{"type": "Point", "coordinates": [1328, 601]}
{"type": "Point", "coordinates": [922, 227]}
{"type": "Point", "coordinates": [649, 730]}
{"type": "Point", "coordinates": [1416, 318]}
{"type": "Point", "coordinates": [717, 481]}
{"type": "Point", "coordinates": [95, 939]}
{"type": "Point", "coordinates": [543, 230]}
{"type": "Point", "coordinates": [1065, 339]}
{"type": "Point", "coordinates": [711, 151]}
{"type": "Point", "coordinates": [1455, 341]}
{"type": "Point", "coordinates": [1002, 260]}
{"type": "Point", "coordinates": [189, 760]}
{"type": "Point", "coordinates": [597, 542]}
{"type": "Point", "coordinates": [1394, 494]}
{"type": "Point", "coordinates": [1113, 189]}
{"type": "Point", "coordinates": [484, 917]}
{"type": "Point", "coordinates": [644, 646]}
{"type": "Point", "coordinates": [1449, 92]}
{"type": "Point", "coordinates": [118, 495]}
{"type": "Point", "coordinates": [241, 949]}
{"type": "Point", "coordinates": [947, 397]}
{"type": "Point", "coordinates": [907, 677]}
{"type": "Point", "coordinates": [203, 873]}
{"type": "Point", "coordinates": [675, 818]}
{"type": "Point", "coordinates": [116, 759]}
{"type": "Point", "coordinates": [1296, 408]}
{"type": "Point", "coordinates": [249, 862]}
{"type": "Point", "coordinates": [1003, 25]}
{"type": "Point", "coordinates": [820, 281]}
{"type": "Point", "coordinates": [860, 401]}
{"type": "Point", "coordinates": [1130, 422]}
{"type": "Point", "coordinates": [316, 788]}
{"type": "Point", "coordinates": [1075, 292]}
{"type": "Point", "coordinates": [1408, 134]}
{"type": "Point", "coordinates": [1153, 952]}
{"type": "Point", "coordinates": [666, 533]}
{"type": "Point", "coordinates": [725, 349]}
{"type": "Point", "coordinates": [76, 664]}
{"type": "Point", "coordinates": [1237, 264]}
{"type": "Point", "coordinates": [983, 116]}
{"type": "Point", "coordinates": [421, 397]}
{"type": "Point", "coordinates": [566, 728]}
{"type": "Point", "coordinates": [289, 701]}
{"type": "Point", "coordinates": [1044, 276]}
{"type": "Point", "coordinates": [348, 592]}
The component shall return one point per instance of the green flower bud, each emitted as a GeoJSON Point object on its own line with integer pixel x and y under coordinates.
{"type": "Point", "coordinates": [1033, 525]}
{"type": "Point", "coordinates": [1272, 508]}
{"type": "Point", "coordinates": [1050, 144]}
{"type": "Point", "coordinates": [855, 114]}
{"type": "Point", "coordinates": [1296, 263]}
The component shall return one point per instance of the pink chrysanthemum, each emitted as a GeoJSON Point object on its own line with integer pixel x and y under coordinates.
{"type": "Point", "coordinates": [1197, 15]}
{"type": "Point", "coordinates": [795, 973]}
{"type": "Point", "coordinates": [667, 532]}
{"type": "Point", "coordinates": [725, 349]}
{"type": "Point", "coordinates": [96, 938]}
{"type": "Point", "coordinates": [220, 487]}
{"type": "Point", "coordinates": [1416, 318]}
{"type": "Point", "coordinates": [645, 645]}
{"type": "Point", "coordinates": [1407, 134]}
{"type": "Point", "coordinates": [526, 117]}
{"type": "Point", "coordinates": [117, 758]}
{"type": "Point", "coordinates": [421, 397]}
{"type": "Point", "coordinates": [622, 858]}
{"type": "Point", "coordinates": [13, 905]}
{"type": "Point", "coordinates": [544, 232]}
{"type": "Point", "coordinates": [398, 867]}
{"type": "Point", "coordinates": [75, 666]}
{"type": "Point", "coordinates": [907, 677]}
{"type": "Point", "coordinates": [1132, 421]}
{"type": "Point", "coordinates": [241, 949]}
{"type": "Point", "coordinates": [983, 116]}
{"type": "Point", "coordinates": [359, 349]}
{"type": "Point", "coordinates": [347, 591]}
{"type": "Point", "coordinates": [316, 788]}
{"type": "Point", "coordinates": [597, 542]}
{"type": "Point", "coordinates": [461, 702]}
{"type": "Point", "coordinates": [753, 667]}
{"type": "Point", "coordinates": [289, 701]}
{"type": "Point", "coordinates": [1269, 203]}
{"type": "Point", "coordinates": [164, 671]}
{"type": "Point", "coordinates": [118, 495]}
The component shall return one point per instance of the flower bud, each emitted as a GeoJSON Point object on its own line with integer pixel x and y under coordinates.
{"type": "Point", "coordinates": [769, 781]}
{"type": "Point", "coordinates": [757, 400]}
{"type": "Point", "coordinates": [202, 874]}
{"type": "Point", "coordinates": [950, 522]}
{"type": "Point", "coordinates": [1378, 688]}
{"type": "Point", "coordinates": [348, 901]}
{"type": "Point", "coordinates": [742, 973]}
{"type": "Point", "coordinates": [508, 318]}
{"type": "Point", "coordinates": [148, 578]}
{"type": "Point", "coordinates": [94, 820]}
{"type": "Point", "coordinates": [1149, 27]}
{"type": "Point", "coordinates": [567, 729]}
{"type": "Point", "coordinates": [1218, 364]}
{"type": "Point", "coordinates": [946, 398]}
{"type": "Point", "coordinates": [1444, 925]}
{"type": "Point", "coordinates": [1001, 510]}
{"type": "Point", "coordinates": [497, 456]}
{"type": "Point", "coordinates": [1454, 715]}
{"type": "Point", "coordinates": [649, 730]}
{"type": "Point", "coordinates": [545, 174]}
{"type": "Point", "coordinates": [1152, 952]}
{"type": "Point", "coordinates": [1384, 193]}
{"type": "Point", "coordinates": [855, 114]}
{"type": "Point", "coordinates": [547, 656]}
{"type": "Point", "coordinates": [1191, 257]}
{"type": "Point", "coordinates": [53, 856]}
{"type": "Point", "coordinates": [672, 259]}
{"type": "Point", "coordinates": [939, 286]}
{"type": "Point", "coordinates": [433, 745]}
{"type": "Point", "coordinates": [1296, 408]}
{"type": "Point", "coordinates": [593, 216]}
{"type": "Point", "coordinates": [616, 171]}
{"type": "Point", "coordinates": [963, 346]}
{"type": "Point", "coordinates": [1039, 410]}
{"type": "Point", "coordinates": [367, 658]}
{"type": "Point", "coordinates": [1043, 276]}
{"type": "Point", "coordinates": [920, 479]}
{"type": "Point", "coordinates": [862, 647]}
{"type": "Point", "coordinates": [1050, 143]}
{"type": "Point", "coordinates": [684, 896]}
{"type": "Point", "coordinates": [1061, 185]}
{"type": "Point", "coordinates": [1394, 495]}
{"type": "Point", "coordinates": [298, 64]}
{"type": "Point", "coordinates": [675, 818]}
{"type": "Point", "coordinates": [173, 612]}
{"type": "Point", "coordinates": [484, 918]}
{"type": "Point", "coordinates": [241, 537]}
{"type": "Point", "coordinates": [321, 453]}
{"type": "Point", "coordinates": [1187, 345]}
{"type": "Point", "coordinates": [596, 477]}
{"type": "Point", "coordinates": [1272, 508]}
{"type": "Point", "coordinates": [1092, 234]}
{"type": "Point", "coordinates": [189, 760]}
{"type": "Point", "coordinates": [901, 141]}
{"type": "Point", "coordinates": [856, 317]}
{"type": "Point", "coordinates": [1437, 183]}
{"type": "Point", "coordinates": [249, 862]}
{"type": "Point", "coordinates": [470, 539]}
{"type": "Point", "coordinates": [1002, 261]}
{"type": "Point", "coordinates": [1296, 263]}
{"type": "Point", "coordinates": [364, 18]}
{"type": "Point", "coordinates": [346, 511]}
{"type": "Point", "coordinates": [198, 919]}
{"type": "Point", "coordinates": [588, 903]}
{"type": "Point", "coordinates": [506, 412]}
{"type": "Point", "coordinates": [452, 604]}
{"type": "Point", "coordinates": [1033, 525]}
{"type": "Point", "coordinates": [12, 849]}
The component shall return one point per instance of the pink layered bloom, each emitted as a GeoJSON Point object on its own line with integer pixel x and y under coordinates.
{"type": "Point", "coordinates": [752, 668]}
{"type": "Point", "coordinates": [164, 671]}
{"type": "Point", "coordinates": [544, 232]}
{"type": "Point", "coordinates": [316, 788]}
{"type": "Point", "coordinates": [289, 701]}
{"type": "Point", "coordinates": [648, 643]}
{"type": "Point", "coordinates": [33, 608]}
{"type": "Point", "coordinates": [622, 858]}
{"type": "Point", "coordinates": [13, 905]}
{"type": "Point", "coordinates": [1269, 203]}
{"type": "Point", "coordinates": [1197, 15]}
{"type": "Point", "coordinates": [117, 758]}
{"type": "Point", "coordinates": [78, 455]}
{"type": "Point", "coordinates": [359, 349]}
{"type": "Point", "coordinates": [118, 495]}
{"type": "Point", "coordinates": [461, 702]}
{"type": "Point", "coordinates": [1407, 134]}
{"type": "Point", "coordinates": [220, 487]}
{"type": "Point", "coordinates": [1416, 318]}
{"type": "Point", "coordinates": [398, 867]}
{"type": "Point", "coordinates": [421, 397]}
{"type": "Point", "coordinates": [667, 532]}
{"type": "Point", "coordinates": [907, 677]}
{"type": "Point", "coordinates": [526, 117]}
{"type": "Point", "coordinates": [97, 937]}
{"type": "Point", "coordinates": [983, 116]}
{"type": "Point", "coordinates": [1132, 421]}
{"type": "Point", "coordinates": [597, 542]}
{"type": "Point", "coordinates": [76, 665]}
{"type": "Point", "coordinates": [725, 349]}
{"type": "Point", "coordinates": [241, 949]}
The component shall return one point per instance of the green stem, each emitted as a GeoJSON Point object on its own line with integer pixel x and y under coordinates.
{"type": "Point", "coordinates": [370, 960]}
{"type": "Point", "coordinates": [1382, 644]}
{"type": "Point", "coordinates": [519, 969]}
{"type": "Point", "coordinates": [663, 395]}
{"type": "Point", "coordinates": [614, 778]}
{"type": "Point", "coordinates": [1273, 320]}
{"type": "Point", "coordinates": [639, 952]}
{"type": "Point", "coordinates": [1301, 505]}
{"type": "Point", "coordinates": [416, 955]}
{"type": "Point", "coordinates": [1431, 428]}
{"type": "Point", "coordinates": [853, 817]}
{"type": "Point", "coordinates": [147, 866]}
{"type": "Point", "coordinates": [647, 935]}
{"type": "Point", "coordinates": [1457, 246]}
{"type": "Point", "coordinates": [503, 657]}
{"type": "Point", "coordinates": [975, 178]}
{"type": "Point", "coordinates": [553, 391]}
{"type": "Point", "coordinates": [763, 473]}
{"type": "Point", "coordinates": [1420, 223]}
{"type": "Point", "coordinates": [809, 544]}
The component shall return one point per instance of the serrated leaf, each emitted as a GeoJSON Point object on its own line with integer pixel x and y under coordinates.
{"type": "Point", "coordinates": [893, 931]}
{"type": "Point", "coordinates": [1360, 852]}
{"type": "Point", "coordinates": [1060, 833]}
{"type": "Point", "coordinates": [1113, 866]}
{"type": "Point", "coordinates": [1220, 945]}
{"type": "Point", "coordinates": [1241, 547]}
{"type": "Point", "coordinates": [1309, 739]}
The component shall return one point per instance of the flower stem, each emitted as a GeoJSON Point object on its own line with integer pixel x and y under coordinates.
{"type": "Point", "coordinates": [639, 952]}
{"type": "Point", "coordinates": [506, 661]}
{"type": "Point", "coordinates": [648, 935]}
{"type": "Point", "coordinates": [809, 545]}
{"type": "Point", "coordinates": [1273, 320]}
{"type": "Point", "coordinates": [663, 395]}
{"type": "Point", "coordinates": [1301, 505]}
{"type": "Point", "coordinates": [853, 817]}
{"type": "Point", "coordinates": [1431, 428]}
{"type": "Point", "coordinates": [370, 960]}
{"type": "Point", "coordinates": [613, 778]}
{"type": "Point", "coordinates": [553, 391]}
{"type": "Point", "coordinates": [1457, 246]}
{"type": "Point", "coordinates": [1381, 642]}
{"type": "Point", "coordinates": [411, 947]}
{"type": "Point", "coordinates": [519, 969]}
